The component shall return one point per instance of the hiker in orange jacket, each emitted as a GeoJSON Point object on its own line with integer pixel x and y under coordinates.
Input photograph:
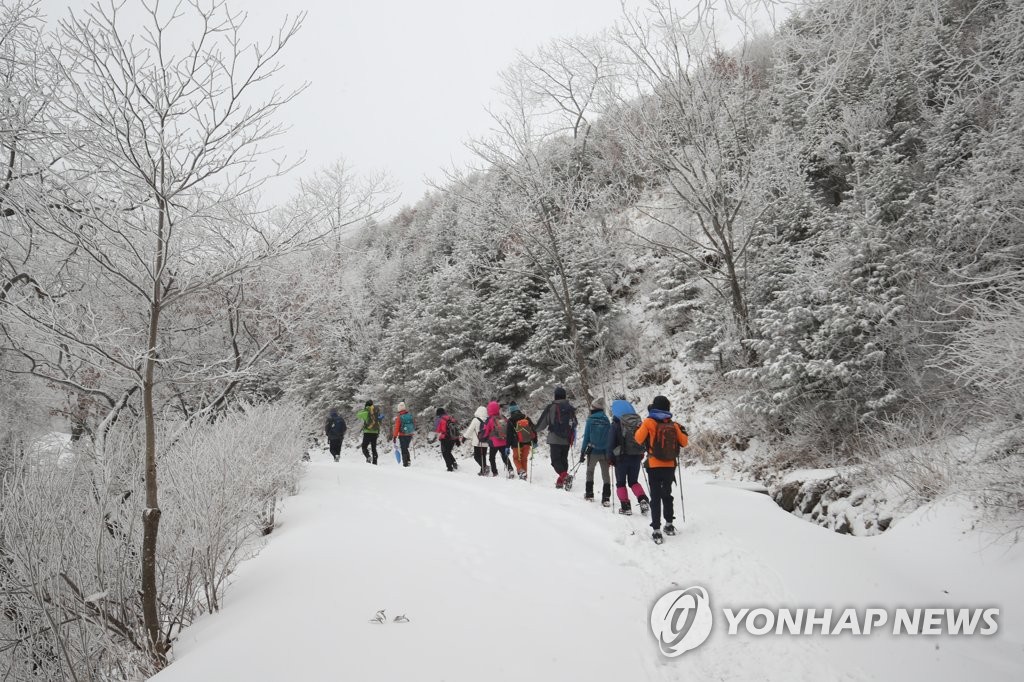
{"type": "Point", "coordinates": [404, 429]}
{"type": "Point", "coordinates": [662, 439]}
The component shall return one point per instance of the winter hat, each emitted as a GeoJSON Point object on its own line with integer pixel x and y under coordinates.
{"type": "Point", "coordinates": [559, 393]}
{"type": "Point", "coordinates": [493, 408]}
{"type": "Point", "coordinates": [401, 406]}
{"type": "Point", "coordinates": [333, 412]}
{"type": "Point", "coordinates": [440, 411]}
{"type": "Point", "coordinates": [598, 404]}
{"type": "Point", "coordinates": [512, 407]}
{"type": "Point", "coordinates": [369, 403]}
{"type": "Point", "coordinates": [660, 402]}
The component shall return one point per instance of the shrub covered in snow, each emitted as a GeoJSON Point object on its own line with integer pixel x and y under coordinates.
{"type": "Point", "coordinates": [70, 536]}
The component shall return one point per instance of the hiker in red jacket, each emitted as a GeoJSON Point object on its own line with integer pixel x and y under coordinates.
{"type": "Point", "coordinates": [447, 431]}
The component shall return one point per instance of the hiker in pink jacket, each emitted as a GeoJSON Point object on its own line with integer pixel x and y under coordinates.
{"type": "Point", "coordinates": [494, 433]}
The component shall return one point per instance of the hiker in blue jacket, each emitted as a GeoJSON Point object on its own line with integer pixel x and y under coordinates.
{"type": "Point", "coordinates": [594, 447]}
{"type": "Point", "coordinates": [626, 455]}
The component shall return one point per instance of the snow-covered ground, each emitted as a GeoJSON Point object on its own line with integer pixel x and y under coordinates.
{"type": "Point", "coordinates": [506, 580]}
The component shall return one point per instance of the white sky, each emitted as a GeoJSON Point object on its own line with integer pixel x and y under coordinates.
{"type": "Point", "coordinates": [398, 85]}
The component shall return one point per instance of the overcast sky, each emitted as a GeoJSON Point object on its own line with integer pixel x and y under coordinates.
{"type": "Point", "coordinates": [399, 85]}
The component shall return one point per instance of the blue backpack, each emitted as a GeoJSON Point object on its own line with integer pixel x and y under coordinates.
{"type": "Point", "coordinates": [598, 435]}
{"type": "Point", "coordinates": [406, 427]}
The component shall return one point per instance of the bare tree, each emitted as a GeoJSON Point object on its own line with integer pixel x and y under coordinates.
{"type": "Point", "coordinates": [538, 153]}
{"type": "Point", "coordinates": [342, 199]}
{"type": "Point", "coordinates": [693, 113]}
{"type": "Point", "coordinates": [156, 211]}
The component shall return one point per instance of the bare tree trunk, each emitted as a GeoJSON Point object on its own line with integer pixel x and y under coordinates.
{"type": "Point", "coordinates": [151, 514]}
{"type": "Point", "coordinates": [574, 335]}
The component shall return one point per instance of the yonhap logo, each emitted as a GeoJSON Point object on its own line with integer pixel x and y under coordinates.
{"type": "Point", "coordinates": [681, 620]}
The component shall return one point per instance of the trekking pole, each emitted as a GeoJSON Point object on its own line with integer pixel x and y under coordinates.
{"type": "Point", "coordinates": [682, 502]}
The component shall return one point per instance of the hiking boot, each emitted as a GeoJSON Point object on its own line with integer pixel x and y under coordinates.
{"type": "Point", "coordinates": [606, 503]}
{"type": "Point", "coordinates": [588, 492]}
{"type": "Point", "coordinates": [625, 508]}
{"type": "Point", "coordinates": [670, 529]}
{"type": "Point", "coordinates": [657, 537]}
{"type": "Point", "coordinates": [645, 506]}
{"type": "Point", "coordinates": [522, 475]}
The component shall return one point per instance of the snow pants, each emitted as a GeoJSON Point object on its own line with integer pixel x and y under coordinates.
{"type": "Point", "coordinates": [521, 456]}
{"type": "Point", "coordinates": [606, 484]}
{"type": "Point", "coordinates": [627, 472]}
{"type": "Point", "coordinates": [504, 458]}
{"type": "Point", "coordinates": [480, 455]}
{"type": "Point", "coordinates": [370, 443]}
{"type": "Point", "coordinates": [592, 463]}
{"type": "Point", "coordinates": [560, 462]}
{"type": "Point", "coordinates": [334, 444]}
{"type": "Point", "coordinates": [403, 443]}
{"type": "Point", "coordinates": [446, 453]}
{"type": "Point", "coordinates": [661, 479]}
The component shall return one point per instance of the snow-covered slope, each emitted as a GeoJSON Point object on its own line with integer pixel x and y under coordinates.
{"type": "Point", "coordinates": [506, 580]}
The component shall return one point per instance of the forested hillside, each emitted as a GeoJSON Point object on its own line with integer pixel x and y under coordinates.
{"type": "Point", "coordinates": [819, 226]}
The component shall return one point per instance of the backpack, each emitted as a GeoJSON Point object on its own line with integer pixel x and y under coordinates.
{"type": "Point", "coordinates": [562, 420]}
{"type": "Point", "coordinates": [599, 429]}
{"type": "Point", "coordinates": [666, 441]}
{"type": "Point", "coordinates": [451, 429]}
{"type": "Point", "coordinates": [525, 433]}
{"type": "Point", "coordinates": [629, 423]}
{"type": "Point", "coordinates": [372, 418]}
{"type": "Point", "coordinates": [406, 426]}
{"type": "Point", "coordinates": [335, 427]}
{"type": "Point", "coordinates": [500, 429]}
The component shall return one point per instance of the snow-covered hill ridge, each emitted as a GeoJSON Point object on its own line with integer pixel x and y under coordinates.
{"type": "Point", "coordinates": [502, 579]}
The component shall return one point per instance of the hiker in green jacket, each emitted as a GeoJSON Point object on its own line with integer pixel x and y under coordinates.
{"type": "Point", "coordinates": [370, 416]}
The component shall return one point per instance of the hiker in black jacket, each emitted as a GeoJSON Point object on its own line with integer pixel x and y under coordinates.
{"type": "Point", "coordinates": [335, 429]}
{"type": "Point", "coordinates": [559, 418]}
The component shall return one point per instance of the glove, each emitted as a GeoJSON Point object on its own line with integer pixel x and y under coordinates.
{"type": "Point", "coordinates": [589, 450]}
{"type": "Point", "coordinates": [582, 458]}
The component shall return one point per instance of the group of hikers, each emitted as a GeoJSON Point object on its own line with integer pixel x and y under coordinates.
{"type": "Point", "coordinates": [625, 443]}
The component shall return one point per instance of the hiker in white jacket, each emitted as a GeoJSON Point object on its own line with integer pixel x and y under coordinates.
{"type": "Point", "coordinates": [472, 433]}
